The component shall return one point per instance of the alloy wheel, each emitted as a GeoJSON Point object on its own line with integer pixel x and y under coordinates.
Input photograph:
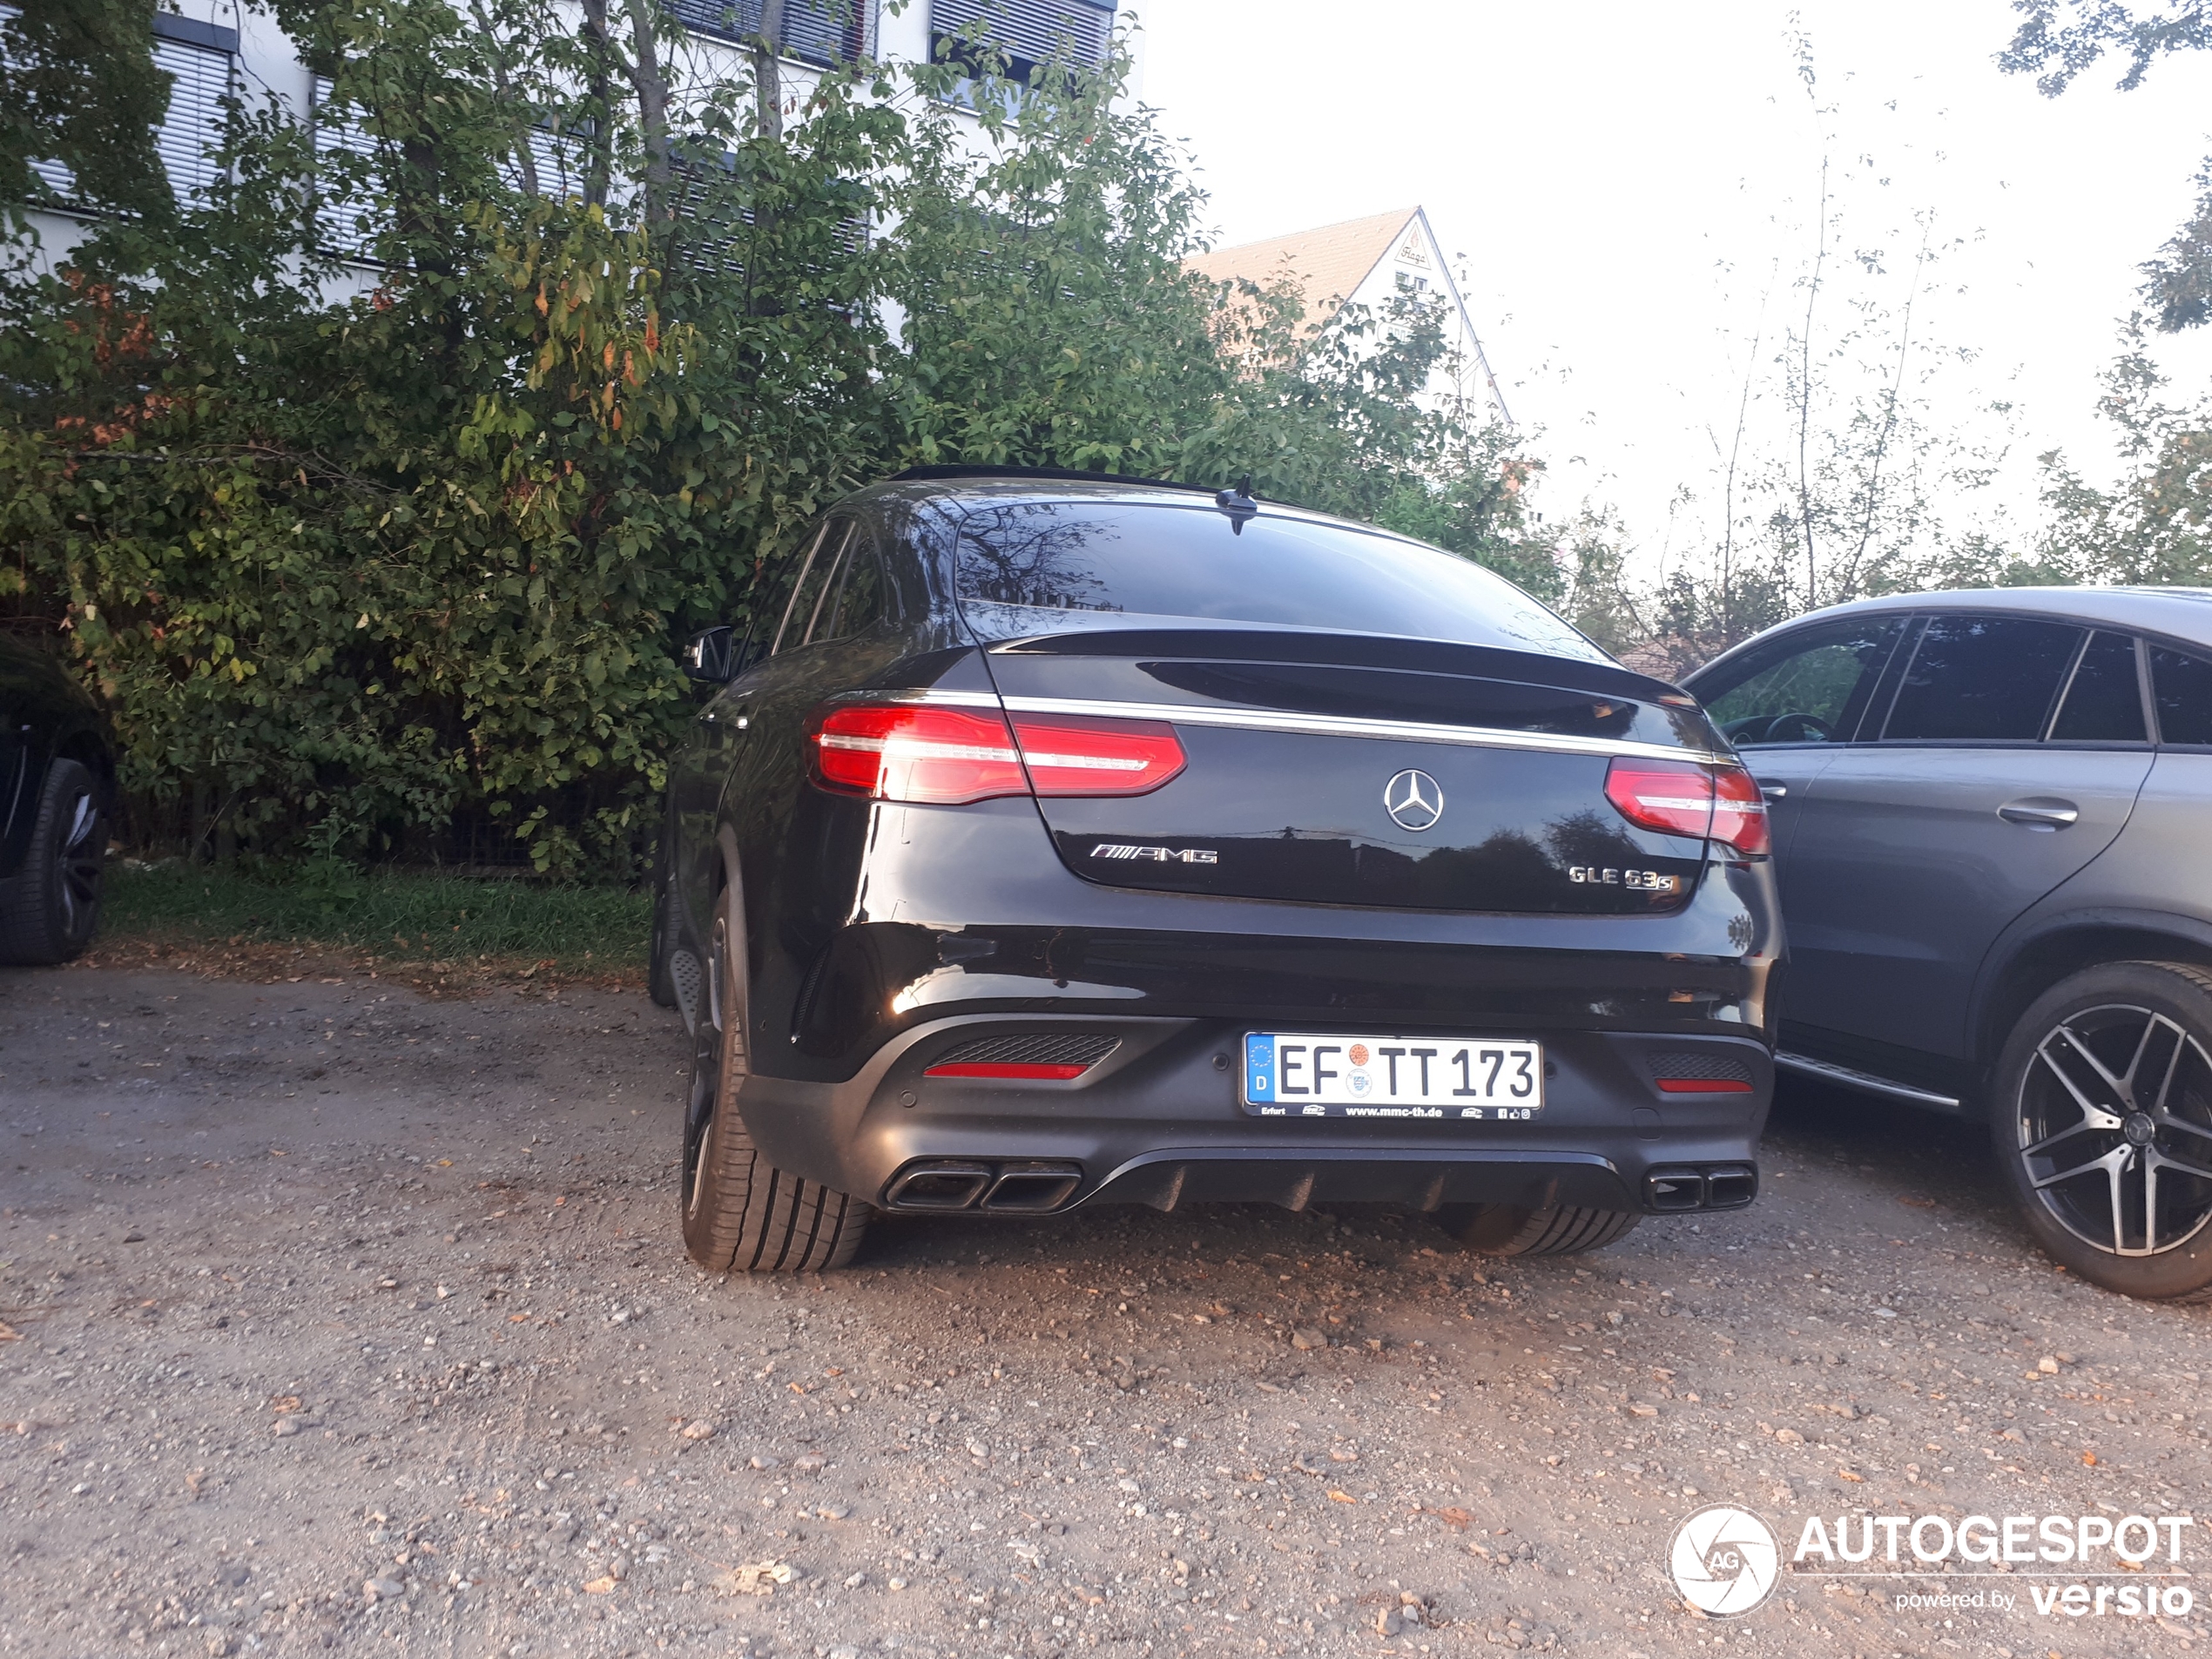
{"type": "Point", "coordinates": [707, 1051]}
{"type": "Point", "coordinates": [79, 866]}
{"type": "Point", "coordinates": [2115, 1128]}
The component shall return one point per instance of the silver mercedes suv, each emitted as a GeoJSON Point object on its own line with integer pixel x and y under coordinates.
{"type": "Point", "coordinates": [1993, 821]}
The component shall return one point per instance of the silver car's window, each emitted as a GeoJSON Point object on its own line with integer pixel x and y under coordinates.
{"type": "Point", "coordinates": [1989, 679]}
{"type": "Point", "coordinates": [2104, 700]}
{"type": "Point", "coordinates": [1806, 687]}
{"type": "Point", "coordinates": [2182, 685]}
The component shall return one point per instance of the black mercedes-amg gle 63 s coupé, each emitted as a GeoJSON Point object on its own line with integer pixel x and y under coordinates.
{"type": "Point", "coordinates": [1054, 840]}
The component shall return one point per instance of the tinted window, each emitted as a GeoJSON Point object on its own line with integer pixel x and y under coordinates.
{"type": "Point", "coordinates": [854, 602]}
{"type": "Point", "coordinates": [814, 577]}
{"type": "Point", "coordinates": [1810, 687]}
{"type": "Point", "coordinates": [1085, 559]}
{"type": "Point", "coordinates": [1990, 679]}
{"type": "Point", "coordinates": [2182, 685]}
{"type": "Point", "coordinates": [2104, 701]}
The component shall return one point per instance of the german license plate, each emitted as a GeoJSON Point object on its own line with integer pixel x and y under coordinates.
{"type": "Point", "coordinates": [1299, 1074]}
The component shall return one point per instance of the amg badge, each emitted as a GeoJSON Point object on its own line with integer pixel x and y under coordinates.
{"type": "Point", "coordinates": [1156, 855]}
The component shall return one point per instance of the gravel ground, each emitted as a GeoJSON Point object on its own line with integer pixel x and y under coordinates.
{"type": "Point", "coordinates": [336, 1317]}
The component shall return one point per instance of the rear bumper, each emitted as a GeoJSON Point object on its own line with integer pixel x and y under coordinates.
{"type": "Point", "coordinates": [1158, 1123]}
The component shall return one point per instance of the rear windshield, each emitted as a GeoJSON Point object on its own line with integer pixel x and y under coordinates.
{"type": "Point", "coordinates": [1085, 562]}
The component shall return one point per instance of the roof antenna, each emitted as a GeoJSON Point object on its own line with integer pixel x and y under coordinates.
{"type": "Point", "coordinates": [1238, 504]}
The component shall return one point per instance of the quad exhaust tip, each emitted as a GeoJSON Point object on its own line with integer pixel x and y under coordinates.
{"type": "Point", "coordinates": [1004, 1187]}
{"type": "Point", "coordinates": [1714, 1186]}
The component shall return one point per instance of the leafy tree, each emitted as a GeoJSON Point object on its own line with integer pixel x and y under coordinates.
{"type": "Point", "coordinates": [2056, 41]}
{"type": "Point", "coordinates": [387, 555]}
{"type": "Point", "coordinates": [79, 87]}
{"type": "Point", "coordinates": [2155, 525]}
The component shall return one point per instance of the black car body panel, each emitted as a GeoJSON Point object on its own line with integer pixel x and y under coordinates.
{"type": "Point", "coordinates": [1520, 762]}
{"type": "Point", "coordinates": [881, 934]}
{"type": "Point", "coordinates": [2017, 784]}
{"type": "Point", "coordinates": [44, 716]}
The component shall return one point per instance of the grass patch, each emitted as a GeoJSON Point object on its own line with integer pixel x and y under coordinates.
{"type": "Point", "coordinates": [396, 920]}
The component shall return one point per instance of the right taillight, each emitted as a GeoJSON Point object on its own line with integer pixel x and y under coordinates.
{"type": "Point", "coordinates": [944, 756]}
{"type": "Point", "coordinates": [1739, 811]}
{"type": "Point", "coordinates": [1076, 755]}
{"type": "Point", "coordinates": [1685, 797]}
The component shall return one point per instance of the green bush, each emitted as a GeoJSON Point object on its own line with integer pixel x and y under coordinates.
{"type": "Point", "coordinates": [401, 574]}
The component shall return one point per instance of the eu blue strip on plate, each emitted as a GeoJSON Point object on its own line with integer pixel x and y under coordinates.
{"type": "Point", "coordinates": [1259, 1067]}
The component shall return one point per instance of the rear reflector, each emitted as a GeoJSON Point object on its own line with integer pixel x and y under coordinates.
{"type": "Point", "coordinates": [1685, 797]}
{"type": "Point", "coordinates": [944, 756]}
{"type": "Point", "coordinates": [1006, 1068]}
{"type": "Point", "coordinates": [1704, 1086]}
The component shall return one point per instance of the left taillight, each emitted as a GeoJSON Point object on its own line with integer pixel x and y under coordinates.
{"type": "Point", "coordinates": [944, 756]}
{"type": "Point", "coordinates": [1689, 797]}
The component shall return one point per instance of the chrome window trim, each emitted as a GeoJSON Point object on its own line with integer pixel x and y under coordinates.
{"type": "Point", "coordinates": [1330, 725]}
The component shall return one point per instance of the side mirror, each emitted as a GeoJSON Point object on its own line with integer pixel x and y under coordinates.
{"type": "Point", "coordinates": [712, 657]}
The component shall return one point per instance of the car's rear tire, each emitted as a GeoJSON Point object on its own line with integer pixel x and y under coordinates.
{"type": "Point", "coordinates": [1517, 1230]}
{"type": "Point", "coordinates": [2101, 1113]}
{"type": "Point", "coordinates": [53, 904]}
{"type": "Point", "coordinates": [660, 980]}
{"type": "Point", "coordinates": [740, 1213]}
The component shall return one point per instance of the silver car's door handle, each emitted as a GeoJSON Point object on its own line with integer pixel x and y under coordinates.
{"type": "Point", "coordinates": [1774, 792]}
{"type": "Point", "coordinates": [2039, 811]}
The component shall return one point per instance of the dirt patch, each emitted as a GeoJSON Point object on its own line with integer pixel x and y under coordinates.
{"type": "Point", "coordinates": [341, 1315]}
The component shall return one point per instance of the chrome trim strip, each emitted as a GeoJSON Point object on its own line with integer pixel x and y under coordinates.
{"type": "Point", "coordinates": [1330, 725]}
{"type": "Point", "coordinates": [1851, 1079]}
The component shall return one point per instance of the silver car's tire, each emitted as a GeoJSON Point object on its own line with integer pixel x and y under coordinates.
{"type": "Point", "coordinates": [2101, 1113]}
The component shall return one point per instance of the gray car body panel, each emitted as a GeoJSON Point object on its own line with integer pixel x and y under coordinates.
{"type": "Point", "coordinates": [1919, 919]}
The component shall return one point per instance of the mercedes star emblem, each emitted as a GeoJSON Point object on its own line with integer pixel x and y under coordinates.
{"type": "Point", "coordinates": [1414, 800]}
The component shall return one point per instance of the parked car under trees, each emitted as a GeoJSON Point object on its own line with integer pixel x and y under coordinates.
{"type": "Point", "coordinates": [56, 781]}
{"type": "Point", "coordinates": [1058, 839]}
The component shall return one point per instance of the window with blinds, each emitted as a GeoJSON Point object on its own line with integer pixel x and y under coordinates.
{"type": "Point", "coordinates": [1029, 31]}
{"type": "Point", "coordinates": [713, 224]}
{"type": "Point", "coordinates": [193, 126]}
{"type": "Point", "coordinates": [815, 31]}
{"type": "Point", "coordinates": [342, 227]}
{"type": "Point", "coordinates": [200, 67]}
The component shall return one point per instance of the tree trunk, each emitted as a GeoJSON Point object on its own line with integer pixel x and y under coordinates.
{"type": "Point", "coordinates": [502, 86]}
{"type": "Point", "coordinates": [599, 171]}
{"type": "Point", "coordinates": [767, 77]}
{"type": "Point", "coordinates": [651, 87]}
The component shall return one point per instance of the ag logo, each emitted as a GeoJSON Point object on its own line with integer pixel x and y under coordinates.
{"type": "Point", "coordinates": [1724, 1561]}
{"type": "Point", "coordinates": [1414, 800]}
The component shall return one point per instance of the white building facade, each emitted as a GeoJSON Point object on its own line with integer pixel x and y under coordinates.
{"type": "Point", "coordinates": [215, 49]}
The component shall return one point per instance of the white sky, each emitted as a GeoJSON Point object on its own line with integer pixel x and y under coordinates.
{"type": "Point", "coordinates": [1625, 178]}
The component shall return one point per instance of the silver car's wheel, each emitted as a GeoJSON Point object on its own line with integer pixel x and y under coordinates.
{"type": "Point", "coordinates": [2105, 1125]}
